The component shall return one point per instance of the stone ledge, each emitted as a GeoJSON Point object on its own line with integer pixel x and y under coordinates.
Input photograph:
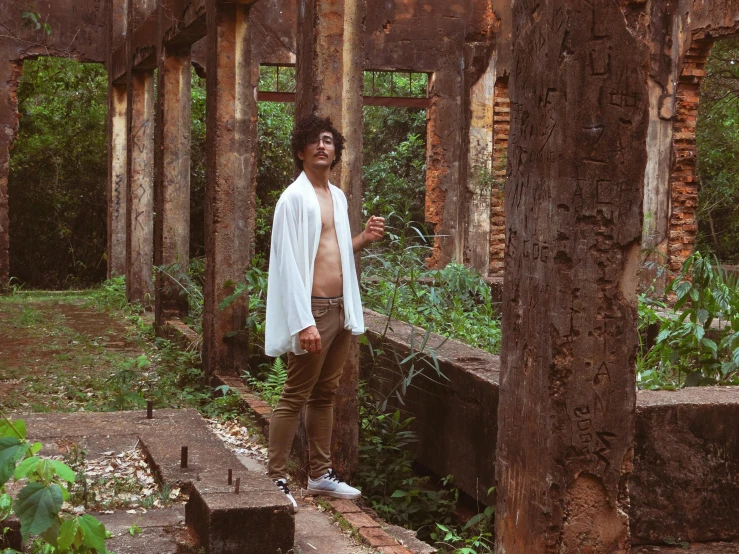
{"type": "Point", "coordinates": [686, 458]}
{"type": "Point", "coordinates": [455, 415]}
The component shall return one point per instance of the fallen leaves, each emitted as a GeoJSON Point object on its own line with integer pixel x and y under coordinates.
{"type": "Point", "coordinates": [120, 481]}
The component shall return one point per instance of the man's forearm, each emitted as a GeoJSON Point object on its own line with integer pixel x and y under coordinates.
{"type": "Point", "coordinates": [359, 242]}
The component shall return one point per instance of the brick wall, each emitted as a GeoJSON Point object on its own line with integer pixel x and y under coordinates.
{"type": "Point", "coordinates": [683, 176]}
{"type": "Point", "coordinates": [501, 129]}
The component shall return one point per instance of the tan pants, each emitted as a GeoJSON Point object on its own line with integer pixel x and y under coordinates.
{"type": "Point", "coordinates": [312, 380]}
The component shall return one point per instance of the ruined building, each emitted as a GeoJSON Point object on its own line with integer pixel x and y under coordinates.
{"type": "Point", "coordinates": [585, 109]}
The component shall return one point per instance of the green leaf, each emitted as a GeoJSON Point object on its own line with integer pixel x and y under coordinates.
{"type": "Point", "coordinates": [398, 494]}
{"type": "Point", "coordinates": [12, 450]}
{"type": "Point", "coordinates": [6, 504]}
{"type": "Point", "coordinates": [702, 316]}
{"type": "Point", "coordinates": [94, 532]}
{"type": "Point", "coordinates": [67, 534]}
{"type": "Point", "coordinates": [25, 467]}
{"type": "Point", "coordinates": [37, 507]}
{"type": "Point", "coordinates": [710, 344]}
{"type": "Point", "coordinates": [15, 428]}
{"type": "Point", "coordinates": [63, 471]}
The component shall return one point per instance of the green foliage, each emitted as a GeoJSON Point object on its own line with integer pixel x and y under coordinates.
{"type": "Point", "coordinates": [717, 136]}
{"type": "Point", "coordinates": [454, 302]}
{"type": "Point", "coordinates": [472, 539]}
{"type": "Point", "coordinates": [32, 20]}
{"type": "Point", "coordinates": [698, 344]}
{"type": "Point", "coordinates": [394, 156]}
{"type": "Point", "coordinates": [270, 388]}
{"type": "Point", "coordinates": [189, 285]}
{"type": "Point", "coordinates": [392, 83]}
{"type": "Point", "coordinates": [58, 174]}
{"type": "Point", "coordinates": [386, 475]}
{"type": "Point", "coordinates": [39, 502]}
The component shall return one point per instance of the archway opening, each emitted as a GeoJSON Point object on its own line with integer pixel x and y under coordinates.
{"type": "Point", "coordinates": [58, 172]}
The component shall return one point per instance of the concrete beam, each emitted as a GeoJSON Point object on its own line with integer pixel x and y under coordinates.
{"type": "Point", "coordinates": [576, 163]}
{"type": "Point", "coordinates": [140, 194]}
{"type": "Point", "coordinates": [330, 83]}
{"type": "Point", "coordinates": [184, 24]}
{"type": "Point", "coordinates": [172, 182]}
{"type": "Point", "coordinates": [231, 139]}
{"type": "Point", "coordinates": [117, 179]}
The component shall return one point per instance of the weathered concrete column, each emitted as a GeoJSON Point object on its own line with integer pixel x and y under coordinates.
{"type": "Point", "coordinates": [117, 178]}
{"type": "Point", "coordinates": [172, 182]}
{"type": "Point", "coordinates": [10, 74]}
{"type": "Point", "coordinates": [576, 164]}
{"type": "Point", "coordinates": [231, 149]}
{"type": "Point", "coordinates": [444, 163]}
{"type": "Point", "coordinates": [480, 170]}
{"type": "Point", "coordinates": [330, 83]}
{"type": "Point", "coordinates": [140, 194]}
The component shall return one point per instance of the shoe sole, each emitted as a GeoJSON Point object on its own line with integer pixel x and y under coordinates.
{"type": "Point", "coordinates": [333, 494]}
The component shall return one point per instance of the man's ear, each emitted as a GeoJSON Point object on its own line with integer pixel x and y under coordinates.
{"type": "Point", "coordinates": [301, 155]}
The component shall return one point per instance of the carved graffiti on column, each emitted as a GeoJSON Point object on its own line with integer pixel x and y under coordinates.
{"type": "Point", "coordinates": [118, 201]}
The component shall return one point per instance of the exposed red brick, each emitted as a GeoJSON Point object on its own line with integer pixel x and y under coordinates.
{"type": "Point", "coordinates": [501, 131]}
{"type": "Point", "coordinates": [360, 520]}
{"type": "Point", "coordinates": [376, 537]}
{"type": "Point", "coordinates": [345, 506]}
{"type": "Point", "coordinates": [684, 193]}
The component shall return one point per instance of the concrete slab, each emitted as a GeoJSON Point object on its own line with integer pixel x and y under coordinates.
{"type": "Point", "coordinates": [315, 532]}
{"type": "Point", "coordinates": [259, 517]}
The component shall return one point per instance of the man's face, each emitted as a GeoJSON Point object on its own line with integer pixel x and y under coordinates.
{"type": "Point", "coordinates": [320, 152]}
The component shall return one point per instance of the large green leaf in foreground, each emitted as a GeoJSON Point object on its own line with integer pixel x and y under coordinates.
{"type": "Point", "coordinates": [12, 450]}
{"type": "Point", "coordinates": [37, 507]}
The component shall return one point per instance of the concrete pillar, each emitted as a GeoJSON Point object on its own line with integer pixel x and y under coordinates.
{"type": "Point", "coordinates": [231, 148]}
{"type": "Point", "coordinates": [140, 194]}
{"type": "Point", "coordinates": [444, 163]}
{"type": "Point", "coordinates": [576, 166]}
{"type": "Point", "coordinates": [117, 179]}
{"type": "Point", "coordinates": [480, 170]}
{"type": "Point", "coordinates": [172, 186]}
{"type": "Point", "coordinates": [330, 83]}
{"type": "Point", "coordinates": [10, 73]}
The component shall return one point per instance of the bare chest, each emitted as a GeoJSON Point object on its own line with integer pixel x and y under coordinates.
{"type": "Point", "coordinates": [326, 203]}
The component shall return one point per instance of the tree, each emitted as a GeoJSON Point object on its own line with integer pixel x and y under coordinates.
{"type": "Point", "coordinates": [717, 137]}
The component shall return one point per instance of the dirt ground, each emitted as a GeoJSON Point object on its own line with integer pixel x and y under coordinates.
{"type": "Point", "coordinates": [56, 351]}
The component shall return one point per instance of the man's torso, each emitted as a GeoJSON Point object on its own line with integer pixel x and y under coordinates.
{"type": "Point", "coordinates": [328, 280]}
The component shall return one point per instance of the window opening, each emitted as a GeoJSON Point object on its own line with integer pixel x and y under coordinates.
{"type": "Point", "coordinates": [717, 148]}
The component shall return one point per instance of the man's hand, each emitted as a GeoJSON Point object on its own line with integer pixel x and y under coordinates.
{"type": "Point", "coordinates": [310, 339]}
{"type": "Point", "coordinates": [375, 229]}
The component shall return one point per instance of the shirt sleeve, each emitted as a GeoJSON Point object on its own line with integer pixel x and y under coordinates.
{"type": "Point", "coordinates": [285, 251]}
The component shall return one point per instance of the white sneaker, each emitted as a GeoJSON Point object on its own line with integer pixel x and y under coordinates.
{"type": "Point", "coordinates": [330, 484]}
{"type": "Point", "coordinates": [282, 485]}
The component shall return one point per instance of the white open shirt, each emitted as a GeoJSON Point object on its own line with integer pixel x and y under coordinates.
{"type": "Point", "coordinates": [296, 232]}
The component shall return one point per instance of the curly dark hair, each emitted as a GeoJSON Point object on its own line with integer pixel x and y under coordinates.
{"type": "Point", "coordinates": [308, 128]}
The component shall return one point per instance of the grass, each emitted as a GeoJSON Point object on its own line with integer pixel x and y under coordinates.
{"type": "Point", "coordinates": [90, 351]}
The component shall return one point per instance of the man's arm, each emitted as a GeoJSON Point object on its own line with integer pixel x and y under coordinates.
{"type": "Point", "coordinates": [373, 231]}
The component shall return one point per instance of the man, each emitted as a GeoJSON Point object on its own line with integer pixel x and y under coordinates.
{"type": "Point", "coordinates": [313, 303]}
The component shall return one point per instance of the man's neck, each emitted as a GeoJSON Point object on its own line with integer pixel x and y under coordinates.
{"type": "Point", "coordinates": [319, 179]}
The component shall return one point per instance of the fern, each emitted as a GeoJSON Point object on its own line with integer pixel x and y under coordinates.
{"type": "Point", "coordinates": [270, 389]}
